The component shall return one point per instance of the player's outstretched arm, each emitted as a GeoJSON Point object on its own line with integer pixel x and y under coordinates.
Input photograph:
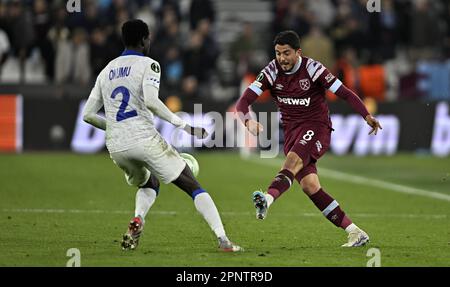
{"type": "Point", "coordinates": [242, 109]}
{"type": "Point", "coordinates": [355, 102]}
{"type": "Point", "coordinates": [153, 103]}
{"type": "Point", "coordinates": [93, 105]}
{"type": "Point", "coordinates": [334, 85]}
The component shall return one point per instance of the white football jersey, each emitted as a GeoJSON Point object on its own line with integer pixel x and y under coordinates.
{"type": "Point", "coordinates": [120, 86]}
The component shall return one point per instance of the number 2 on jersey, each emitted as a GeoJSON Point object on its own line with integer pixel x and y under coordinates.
{"type": "Point", "coordinates": [121, 114]}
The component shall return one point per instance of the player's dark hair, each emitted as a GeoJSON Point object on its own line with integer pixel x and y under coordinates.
{"type": "Point", "coordinates": [288, 37]}
{"type": "Point", "coordinates": [133, 31]}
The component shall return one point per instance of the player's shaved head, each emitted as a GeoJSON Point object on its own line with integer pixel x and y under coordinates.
{"type": "Point", "coordinates": [133, 32]}
{"type": "Point", "coordinates": [288, 37]}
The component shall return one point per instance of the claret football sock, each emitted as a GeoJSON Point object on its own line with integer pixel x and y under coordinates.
{"type": "Point", "coordinates": [145, 197]}
{"type": "Point", "coordinates": [280, 184]}
{"type": "Point", "coordinates": [206, 207]}
{"type": "Point", "coordinates": [330, 209]}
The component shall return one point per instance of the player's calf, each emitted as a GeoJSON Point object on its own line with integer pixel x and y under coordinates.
{"type": "Point", "coordinates": [152, 183]}
{"type": "Point", "coordinates": [206, 207]}
{"type": "Point", "coordinates": [281, 183]}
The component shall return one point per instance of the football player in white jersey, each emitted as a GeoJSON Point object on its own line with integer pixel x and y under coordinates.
{"type": "Point", "coordinates": [128, 89]}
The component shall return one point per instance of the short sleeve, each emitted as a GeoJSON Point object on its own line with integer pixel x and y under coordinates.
{"type": "Point", "coordinates": [152, 75]}
{"type": "Point", "coordinates": [265, 78]}
{"type": "Point", "coordinates": [321, 75]}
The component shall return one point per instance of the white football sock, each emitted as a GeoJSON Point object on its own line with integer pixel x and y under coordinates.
{"type": "Point", "coordinates": [350, 228]}
{"type": "Point", "coordinates": [145, 197]}
{"type": "Point", "coordinates": [206, 207]}
{"type": "Point", "coordinates": [269, 199]}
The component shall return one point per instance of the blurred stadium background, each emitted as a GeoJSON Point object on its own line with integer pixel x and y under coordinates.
{"type": "Point", "coordinates": [397, 60]}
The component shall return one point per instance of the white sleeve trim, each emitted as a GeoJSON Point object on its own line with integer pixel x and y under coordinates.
{"type": "Point", "coordinates": [318, 73]}
{"type": "Point", "coordinates": [255, 89]}
{"type": "Point", "coordinates": [335, 86]}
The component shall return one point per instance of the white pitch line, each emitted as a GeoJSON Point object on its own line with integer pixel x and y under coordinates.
{"type": "Point", "coordinates": [347, 177]}
{"type": "Point", "coordinates": [225, 213]}
{"type": "Point", "coordinates": [81, 211]}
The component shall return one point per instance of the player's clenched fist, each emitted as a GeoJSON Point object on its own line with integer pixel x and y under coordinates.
{"type": "Point", "coordinates": [254, 127]}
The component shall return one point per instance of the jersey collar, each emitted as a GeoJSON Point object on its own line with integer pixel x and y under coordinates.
{"type": "Point", "coordinates": [296, 67]}
{"type": "Point", "coordinates": [131, 53]}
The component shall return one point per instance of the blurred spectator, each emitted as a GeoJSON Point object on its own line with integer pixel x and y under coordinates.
{"type": "Point", "coordinates": [92, 18]}
{"type": "Point", "coordinates": [195, 60]}
{"type": "Point", "coordinates": [299, 18]}
{"type": "Point", "coordinates": [318, 46]}
{"type": "Point", "coordinates": [446, 16]}
{"type": "Point", "coordinates": [59, 33]}
{"type": "Point", "coordinates": [372, 80]}
{"type": "Point", "coordinates": [3, 15]}
{"type": "Point", "coordinates": [72, 59]}
{"type": "Point", "coordinates": [345, 69]}
{"type": "Point", "coordinates": [114, 9]}
{"type": "Point", "coordinates": [172, 70]}
{"type": "Point", "coordinates": [242, 48]}
{"type": "Point", "coordinates": [388, 30]}
{"type": "Point", "coordinates": [4, 49]}
{"type": "Point", "coordinates": [408, 87]}
{"type": "Point", "coordinates": [167, 35]}
{"type": "Point", "coordinates": [347, 31]}
{"type": "Point", "coordinates": [42, 24]}
{"type": "Point", "coordinates": [323, 12]}
{"type": "Point", "coordinates": [100, 52]}
{"type": "Point", "coordinates": [403, 10]}
{"type": "Point", "coordinates": [115, 35]}
{"type": "Point", "coordinates": [280, 11]}
{"type": "Point", "coordinates": [201, 9]}
{"type": "Point", "coordinates": [146, 14]}
{"type": "Point", "coordinates": [190, 88]}
{"type": "Point", "coordinates": [210, 46]}
{"type": "Point", "coordinates": [20, 25]}
{"type": "Point", "coordinates": [424, 31]}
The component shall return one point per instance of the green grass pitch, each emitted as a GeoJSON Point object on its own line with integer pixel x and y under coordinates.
{"type": "Point", "coordinates": [51, 202]}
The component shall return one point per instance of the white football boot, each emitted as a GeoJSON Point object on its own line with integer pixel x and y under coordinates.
{"type": "Point", "coordinates": [357, 238]}
{"type": "Point", "coordinates": [226, 245]}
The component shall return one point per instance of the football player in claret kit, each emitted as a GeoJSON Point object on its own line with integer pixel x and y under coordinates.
{"type": "Point", "coordinates": [298, 85]}
{"type": "Point", "coordinates": [128, 89]}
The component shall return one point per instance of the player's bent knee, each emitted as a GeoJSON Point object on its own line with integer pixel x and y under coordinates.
{"type": "Point", "coordinates": [310, 187]}
{"type": "Point", "coordinates": [152, 183]}
{"type": "Point", "coordinates": [293, 163]}
{"type": "Point", "coordinates": [134, 181]}
{"type": "Point", "coordinates": [310, 184]}
{"type": "Point", "coordinates": [187, 182]}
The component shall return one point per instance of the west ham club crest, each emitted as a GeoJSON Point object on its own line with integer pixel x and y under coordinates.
{"type": "Point", "coordinates": [304, 84]}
